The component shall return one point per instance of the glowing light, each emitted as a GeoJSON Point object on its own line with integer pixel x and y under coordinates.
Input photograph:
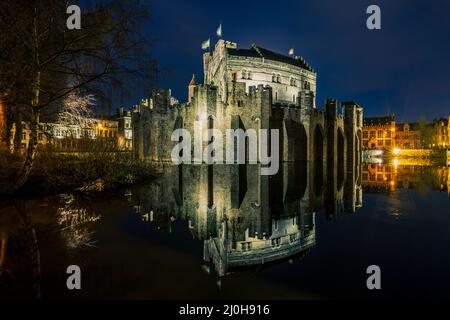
{"type": "Point", "coordinates": [396, 162]}
{"type": "Point", "coordinates": [392, 183]}
{"type": "Point", "coordinates": [396, 151]}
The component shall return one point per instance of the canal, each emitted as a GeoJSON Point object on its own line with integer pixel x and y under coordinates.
{"type": "Point", "coordinates": [204, 232]}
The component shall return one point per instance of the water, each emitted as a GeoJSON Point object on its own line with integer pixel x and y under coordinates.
{"type": "Point", "coordinates": [226, 232]}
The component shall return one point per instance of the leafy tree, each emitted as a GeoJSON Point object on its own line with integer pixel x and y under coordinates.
{"type": "Point", "coordinates": [426, 132]}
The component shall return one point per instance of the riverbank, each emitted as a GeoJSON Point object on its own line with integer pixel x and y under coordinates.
{"type": "Point", "coordinates": [85, 172]}
{"type": "Point", "coordinates": [408, 156]}
{"type": "Point", "coordinates": [434, 154]}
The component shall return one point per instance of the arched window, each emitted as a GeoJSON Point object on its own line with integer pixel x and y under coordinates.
{"type": "Point", "coordinates": [276, 95]}
{"type": "Point", "coordinates": [306, 86]}
{"type": "Point", "coordinates": [244, 74]}
{"type": "Point", "coordinates": [274, 78]}
{"type": "Point", "coordinates": [278, 78]}
{"type": "Point", "coordinates": [249, 75]}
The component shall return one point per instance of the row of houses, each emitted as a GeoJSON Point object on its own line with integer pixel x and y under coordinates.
{"type": "Point", "coordinates": [115, 132]}
{"type": "Point", "coordinates": [385, 133]}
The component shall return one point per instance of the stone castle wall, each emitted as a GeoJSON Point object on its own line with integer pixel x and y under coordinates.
{"type": "Point", "coordinates": [222, 68]}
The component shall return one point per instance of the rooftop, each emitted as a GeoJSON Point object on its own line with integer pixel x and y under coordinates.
{"type": "Point", "coordinates": [259, 52]}
{"type": "Point", "coordinates": [378, 121]}
{"type": "Point", "coordinates": [193, 81]}
{"type": "Point", "coordinates": [414, 126]}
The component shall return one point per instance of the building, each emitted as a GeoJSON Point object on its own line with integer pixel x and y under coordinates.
{"type": "Point", "coordinates": [442, 131]}
{"type": "Point", "coordinates": [287, 76]}
{"type": "Point", "coordinates": [379, 133]}
{"type": "Point", "coordinates": [125, 130]}
{"type": "Point", "coordinates": [112, 132]}
{"type": "Point", "coordinates": [240, 93]}
{"type": "Point", "coordinates": [408, 136]}
{"type": "Point", "coordinates": [106, 127]}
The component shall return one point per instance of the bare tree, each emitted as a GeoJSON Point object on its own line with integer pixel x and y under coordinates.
{"type": "Point", "coordinates": [42, 62]}
{"type": "Point", "coordinates": [78, 110]}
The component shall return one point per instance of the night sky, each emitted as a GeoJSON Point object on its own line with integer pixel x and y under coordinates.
{"type": "Point", "coordinates": [402, 69]}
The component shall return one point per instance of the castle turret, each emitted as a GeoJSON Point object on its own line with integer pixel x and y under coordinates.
{"type": "Point", "coordinates": [191, 87]}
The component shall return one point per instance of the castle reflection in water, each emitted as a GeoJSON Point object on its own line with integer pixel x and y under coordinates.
{"type": "Point", "coordinates": [246, 219]}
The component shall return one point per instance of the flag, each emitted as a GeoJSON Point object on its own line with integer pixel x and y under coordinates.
{"type": "Point", "coordinates": [291, 51]}
{"type": "Point", "coordinates": [206, 44]}
{"type": "Point", "coordinates": [219, 30]}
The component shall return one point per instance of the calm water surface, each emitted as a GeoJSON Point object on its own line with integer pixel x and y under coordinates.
{"type": "Point", "coordinates": [227, 232]}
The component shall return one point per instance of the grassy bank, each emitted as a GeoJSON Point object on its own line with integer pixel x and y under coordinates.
{"type": "Point", "coordinates": [85, 172]}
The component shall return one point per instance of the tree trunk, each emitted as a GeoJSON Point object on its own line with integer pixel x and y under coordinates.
{"type": "Point", "coordinates": [9, 125]}
{"type": "Point", "coordinates": [35, 112]}
{"type": "Point", "coordinates": [18, 132]}
{"type": "Point", "coordinates": [31, 153]}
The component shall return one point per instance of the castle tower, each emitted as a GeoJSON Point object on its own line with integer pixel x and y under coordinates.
{"type": "Point", "coordinates": [191, 87]}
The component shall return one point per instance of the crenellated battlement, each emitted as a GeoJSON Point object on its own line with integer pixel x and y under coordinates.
{"type": "Point", "coordinates": [241, 98]}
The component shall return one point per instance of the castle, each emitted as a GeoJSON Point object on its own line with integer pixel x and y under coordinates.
{"type": "Point", "coordinates": [254, 89]}
{"type": "Point", "coordinates": [245, 218]}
